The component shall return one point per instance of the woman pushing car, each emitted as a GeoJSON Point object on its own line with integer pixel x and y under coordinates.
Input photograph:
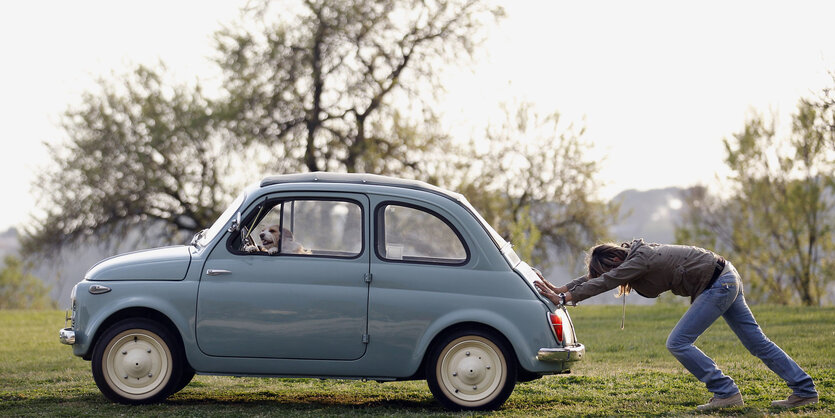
{"type": "Point", "coordinates": [714, 288]}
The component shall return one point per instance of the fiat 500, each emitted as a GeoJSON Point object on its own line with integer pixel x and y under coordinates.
{"type": "Point", "coordinates": [347, 276]}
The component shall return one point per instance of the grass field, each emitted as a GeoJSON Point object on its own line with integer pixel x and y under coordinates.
{"type": "Point", "coordinates": [625, 372]}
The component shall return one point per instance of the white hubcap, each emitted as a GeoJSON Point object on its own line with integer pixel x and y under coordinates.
{"type": "Point", "coordinates": [138, 363]}
{"type": "Point", "coordinates": [471, 370]}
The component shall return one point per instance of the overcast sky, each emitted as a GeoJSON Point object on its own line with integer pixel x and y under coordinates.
{"type": "Point", "coordinates": [658, 84]}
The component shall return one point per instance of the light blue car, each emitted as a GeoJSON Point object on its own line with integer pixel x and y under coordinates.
{"type": "Point", "coordinates": [347, 276]}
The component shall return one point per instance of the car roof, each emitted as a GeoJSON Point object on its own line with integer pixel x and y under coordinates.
{"type": "Point", "coordinates": [357, 178]}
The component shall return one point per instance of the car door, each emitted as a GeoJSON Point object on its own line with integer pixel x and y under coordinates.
{"type": "Point", "coordinates": [308, 300]}
{"type": "Point", "coordinates": [422, 270]}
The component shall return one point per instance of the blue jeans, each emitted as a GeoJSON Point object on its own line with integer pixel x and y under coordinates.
{"type": "Point", "coordinates": [725, 298]}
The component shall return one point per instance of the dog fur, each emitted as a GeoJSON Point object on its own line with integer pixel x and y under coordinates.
{"type": "Point", "coordinates": [270, 237]}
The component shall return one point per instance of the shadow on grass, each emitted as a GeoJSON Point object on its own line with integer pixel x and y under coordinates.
{"type": "Point", "coordinates": [306, 402]}
{"type": "Point", "coordinates": [278, 403]}
{"type": "Point", "coordinates": [251, 404]}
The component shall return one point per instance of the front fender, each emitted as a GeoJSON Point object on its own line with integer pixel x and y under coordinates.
{"type": "Point", "coordinates": [125, 299]}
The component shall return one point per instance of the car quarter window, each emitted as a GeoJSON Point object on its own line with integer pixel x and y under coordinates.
{"type": "Point", "coordinates": [306, 227]}
{"type": "Point", "coordinates": [410, 234]}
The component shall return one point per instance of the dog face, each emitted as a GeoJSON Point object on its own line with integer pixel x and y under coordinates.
{"type": "Point", "coordinates": [271, 234]}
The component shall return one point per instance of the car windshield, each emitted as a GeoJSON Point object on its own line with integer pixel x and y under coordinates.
{"type": "Point", "coordinates": [210, 234]}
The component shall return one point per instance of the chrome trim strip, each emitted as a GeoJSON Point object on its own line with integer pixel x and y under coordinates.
{"type": "Point", "coordinates": [563, 354]}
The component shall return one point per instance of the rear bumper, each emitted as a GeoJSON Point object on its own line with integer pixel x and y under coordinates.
{"type": "Point", "coordinates": [67, 336]}
{"type": "Point", "coordinates": [562, 354]}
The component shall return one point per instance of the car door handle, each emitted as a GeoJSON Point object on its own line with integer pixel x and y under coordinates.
{"type": "Point", "coordinates": [213, 272]}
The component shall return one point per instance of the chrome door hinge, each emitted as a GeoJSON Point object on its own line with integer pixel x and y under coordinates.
{"type": "Point", "coordinates": [367, 277]}
{"type": "Point", "coordinates": [365, 338]}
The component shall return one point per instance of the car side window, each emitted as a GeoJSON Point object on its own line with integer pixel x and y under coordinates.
{"type": "Point", "coordinates": [414, 235]}
{"type": "Point", "coordinates": [304, 227]}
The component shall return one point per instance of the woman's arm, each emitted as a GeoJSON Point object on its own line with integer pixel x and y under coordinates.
{"type": "Point", "coordinates": [634, 267]}
{"type": "Point", "coordinates": [550, 286]}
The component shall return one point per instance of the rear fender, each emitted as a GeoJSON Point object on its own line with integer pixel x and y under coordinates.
{"type": "Point", "coordinates": [525, 349]}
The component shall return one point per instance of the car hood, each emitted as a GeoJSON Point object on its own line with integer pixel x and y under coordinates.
{"type": "Point", "coordinates": [167, 263]}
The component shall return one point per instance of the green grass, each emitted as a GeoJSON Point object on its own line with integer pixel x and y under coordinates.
{"type": "Point", "coordinates": [625, 372]}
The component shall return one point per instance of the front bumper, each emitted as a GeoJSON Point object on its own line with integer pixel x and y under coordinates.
{"type": "Point", "coordinates": [67, 336]}
{"type": "Point", "coordinates": [562, 354]}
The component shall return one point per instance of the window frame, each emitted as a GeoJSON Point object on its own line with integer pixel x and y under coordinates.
{"type": "Point", "coordinates": [273, 202]}
{"type": "Point", "coordinates": [380, 228]}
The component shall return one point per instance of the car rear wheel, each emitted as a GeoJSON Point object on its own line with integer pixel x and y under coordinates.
{"type": "Point", "coordinates": [471, 370]}
{"type": "Point", "coordinates": [138, 361]}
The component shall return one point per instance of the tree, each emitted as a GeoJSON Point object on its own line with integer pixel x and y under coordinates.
{"type": "Point", "coordinates": [531, 180]}
{"type": "Point", "coordinates": [21, 290]}
{"type": "Point", "coordinates": [341, 85]}
{"type": "Point", "coordinates": [139, 152]}
{"type": "Point", "coordinates": [775, 218]}
{"type": "Point", "coordinates": [825, 104]}
{"type": "Point", "coordinates": [331, 85]}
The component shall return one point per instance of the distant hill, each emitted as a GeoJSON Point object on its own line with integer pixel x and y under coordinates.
{"type": "Point", "coordinates": [651, 215]}
{"type": "Point", "coordinates": [8, 242]}
{"type": "Point", "coordinates": [68, 269]}
{"type": "Point", "coordinates": [647, 214]}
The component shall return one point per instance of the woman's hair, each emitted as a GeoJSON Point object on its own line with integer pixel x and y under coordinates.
{"type": "Point", "coordinates": [605, 257]}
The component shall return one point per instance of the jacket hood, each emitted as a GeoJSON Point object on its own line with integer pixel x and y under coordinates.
{"type": "Point", "coordinates": [635, 244]}
{"type": "Point", "coordinates": [167, 263]}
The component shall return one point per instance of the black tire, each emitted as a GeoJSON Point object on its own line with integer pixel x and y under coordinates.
{"type": "Point", "coordinates": [188, 374]}
{"type": "Point", "coordinates": [138, 361]}
{"type": "Point", "coordinates": [472, 370]}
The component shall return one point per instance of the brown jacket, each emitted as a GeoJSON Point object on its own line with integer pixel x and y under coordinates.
{"type": "Point", "coordinates": [652, 269]}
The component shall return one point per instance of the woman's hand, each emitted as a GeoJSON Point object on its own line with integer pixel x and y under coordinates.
{"type": "Point", "coordinates": [547, 289]}
{"type": "Point", "coordinates": [552, 292]}
{"type": "Point", "coordinates": [545, 284]}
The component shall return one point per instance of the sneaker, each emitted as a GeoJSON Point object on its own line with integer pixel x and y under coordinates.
{"type": "Point", "coordinates": [794, 401]}
{"type": "Point", "coordinates": [717, 403]}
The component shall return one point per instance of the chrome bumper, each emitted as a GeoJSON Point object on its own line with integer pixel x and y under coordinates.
{"type": "Point", "coordinates": [563, 354]}
{"type": "Point", "coordinates": [67, 336]}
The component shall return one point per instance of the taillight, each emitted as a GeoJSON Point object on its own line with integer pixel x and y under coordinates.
{"type": "Point", "coordinates": [556, 326]}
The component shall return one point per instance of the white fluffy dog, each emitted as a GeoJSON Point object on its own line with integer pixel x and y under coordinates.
{"type": "Point", "coordinates": [271, 235]}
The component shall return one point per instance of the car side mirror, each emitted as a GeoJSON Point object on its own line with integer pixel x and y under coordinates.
{"type": "Point", "coordinates": [236, 223]}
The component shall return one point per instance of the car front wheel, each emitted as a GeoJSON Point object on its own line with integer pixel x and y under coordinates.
{"type": "Point", "coordinates": [471, 370]}
{"type": "Point", "coordinates": [138, 361]}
